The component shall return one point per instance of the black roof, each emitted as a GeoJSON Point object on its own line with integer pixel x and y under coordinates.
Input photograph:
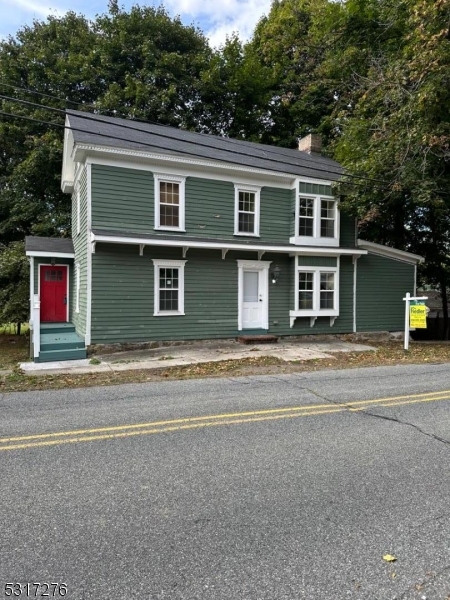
{"type": "Point", "coordinates": [88, 128]}
{"type": "Point", "coordinates": [34, 243]}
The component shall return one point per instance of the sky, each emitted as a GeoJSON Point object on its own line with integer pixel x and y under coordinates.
{"type": "Point", "coordinates": [216, 18]}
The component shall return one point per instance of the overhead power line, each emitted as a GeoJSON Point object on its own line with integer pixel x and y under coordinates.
{"type": "Point", "coordinates": [89, 116]}
{"type": "Point", "coordinates": [279, 159]}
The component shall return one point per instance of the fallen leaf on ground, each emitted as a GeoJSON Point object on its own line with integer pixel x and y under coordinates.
{"type": "Point", "coordinates": [389, 558]}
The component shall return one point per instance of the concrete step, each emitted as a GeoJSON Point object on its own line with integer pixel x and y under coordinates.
{"type": "Point", "coordinates": [57, 355]}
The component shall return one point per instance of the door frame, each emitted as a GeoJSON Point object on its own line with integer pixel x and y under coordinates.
{"type": "Point", "coordinates": [263, 267]}
{"type": "Point", "coordinates": [67, 283]}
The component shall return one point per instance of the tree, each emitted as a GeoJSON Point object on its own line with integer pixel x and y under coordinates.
{"type": "Point", "coordinates": [14, 285]}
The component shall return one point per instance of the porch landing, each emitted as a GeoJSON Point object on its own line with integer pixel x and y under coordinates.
{"type": "Point", "coordinates": [59, 341]}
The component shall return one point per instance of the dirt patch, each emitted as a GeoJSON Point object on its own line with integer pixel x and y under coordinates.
{"type": "Point", "coordinates": [386, 354]}
{"type": "Point", "coordinates": [13, 349]}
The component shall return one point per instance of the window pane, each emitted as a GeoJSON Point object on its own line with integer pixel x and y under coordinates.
{"type": "Point", "coordinates": [247, 201]}
{"type": "Point", "coordinates": [169, 193]}
{"type": "Point", "coordinates": [306, 287]}
{"type": "Point", "coordinates": [168, 300]}
{"type": "Point", "coordinates": [305, 300]}
{"type": "Point", "coordinates": [169, 215]}
{"type": "Point", "coordinates": [306, 227]}
{"type": "Point", "coordinates": [251, 281]}
{"type": "Point", "coordinates": [327, 290]}
{"type": "Point", "coordinates": [246, 223]}
{"type": "Point", "coordinates": [168, 278]}
{"type": "Point", "coordinates": [306, 207]}
{"type": "Point", "coordinates": [327, 214]}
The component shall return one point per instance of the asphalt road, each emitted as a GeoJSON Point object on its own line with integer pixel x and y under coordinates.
{"type": "Point", "coordinates": [257, 488]}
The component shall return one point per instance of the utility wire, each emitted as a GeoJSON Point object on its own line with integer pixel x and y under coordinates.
{"type": "Point", "coordinates": [90, 117]}
{"type": "Point", "coordinates": [42, 122]}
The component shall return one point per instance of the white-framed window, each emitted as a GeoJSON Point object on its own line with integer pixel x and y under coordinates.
{"type": "Point", "coordinates": [77, 287]}
{"type": "Point", "coordinates": [316, 220]}
{"type": "Point", "coordinates": [316, 291]}
{"type": "Point", "coordinates": [169, 287]}
{"type": "Point", "coordinates": [169, 202]}
{"type": "Point", "coordinates": [247, 201]}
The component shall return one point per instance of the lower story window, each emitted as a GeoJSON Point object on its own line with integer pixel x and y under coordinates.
{"type": "Point", "coordinates": [169, 287]}
{"type": "Point", "coordinates": [316, 290]}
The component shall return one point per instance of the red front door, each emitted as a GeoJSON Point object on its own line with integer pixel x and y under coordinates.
{"type": "Point", "coordinates": [53, 293]}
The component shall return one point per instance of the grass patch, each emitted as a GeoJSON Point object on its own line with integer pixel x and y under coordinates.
{"type": "Point", "coordinates": [385, 355]}
{"type": "Point", "coordinates": [13, 349]}
{"type": "Point", "coordinates": [11, 329]}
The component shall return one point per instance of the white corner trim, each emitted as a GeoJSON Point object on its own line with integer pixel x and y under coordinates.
{"type": "Point", "coordinates": [355, 282]}
{"type": "Point", "coordinates": [389, 252]}
{"type": "Point", "coordinates": [31, 287]}
{"type": "Point", "coordinates": [88, 256]}
{"type": "Point", "coordinates": [77, 287]}
{"type": "Point", "coordinates": [161, 178]}
{"type": "Point", "coordinates": [171, 264]}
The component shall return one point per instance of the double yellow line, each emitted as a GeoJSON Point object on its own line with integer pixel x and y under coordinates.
{"type": "Point", "coordinates": [124, 431]}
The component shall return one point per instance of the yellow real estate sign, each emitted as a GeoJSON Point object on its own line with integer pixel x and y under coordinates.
{"type": "Point", "coordinates": [418, 316]}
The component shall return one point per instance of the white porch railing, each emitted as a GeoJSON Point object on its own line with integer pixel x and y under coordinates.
{"type": "Point", "coordinates": [36, 319]}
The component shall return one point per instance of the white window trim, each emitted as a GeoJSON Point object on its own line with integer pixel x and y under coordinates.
{"type": "Point", "coordinates": [316, 311]}
{"type": "Point", "coordinates": [78, 206]}
{"type": "Point", "coordinates": [316, 239]}
{"type": "Point", "coordinates": [161, 178]}
{"type": "Point", "coordinates": [254, 190]}
{"type": "Point", "coordinates": [77, 287]}
{"type": "Point", "coordinates": [170, 264]}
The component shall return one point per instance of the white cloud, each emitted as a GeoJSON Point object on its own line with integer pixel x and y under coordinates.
{"type": "Point", "coordinates": [40, 8]}
{"type": "Point", "coordinates": [219, 18]}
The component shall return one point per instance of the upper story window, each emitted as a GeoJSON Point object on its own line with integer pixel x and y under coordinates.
{"type": "Point", "coordinates": [316, 216]}
{"type": "Point", "coordinates": [246, 210]}
{"type": "Point", "coordinates": [169, 202]}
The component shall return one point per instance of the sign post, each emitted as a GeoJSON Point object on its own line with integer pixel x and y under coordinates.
{"type": "Point", "coordinates": [415, 315]}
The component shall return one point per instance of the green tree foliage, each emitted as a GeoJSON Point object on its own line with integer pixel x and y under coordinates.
{"type": "Point", "coordinates": [289, 46]}
{"type": "Point", "coordinates": [14, 285]}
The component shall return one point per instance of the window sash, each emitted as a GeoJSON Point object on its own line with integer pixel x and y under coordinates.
{"type": "Point", "coordinates": [169, 204]}
{"type": "Point", "coordinates": [168, 278]}
{"type": "Point", "coordinates": [327, 218]}
{"type": "Point", "coordinates": [246, 212]}
{"type": "Point", "coordinates": [316, 219]}
{"type": "Point", "coordinates": [306, 217]}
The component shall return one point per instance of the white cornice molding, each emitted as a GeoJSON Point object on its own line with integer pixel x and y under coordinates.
{"type": "Point", "coordinates": [288, 178]}
{"type": "Point", "coordinates": [389, 252]}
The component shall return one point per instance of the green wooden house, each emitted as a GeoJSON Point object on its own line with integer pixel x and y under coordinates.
{"type": "Point", "coordinates": [181, 236]}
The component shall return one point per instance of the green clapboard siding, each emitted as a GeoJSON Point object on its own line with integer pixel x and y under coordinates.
{"type": "Point", "coordinates": [381, 286]}
{"type": "Point", "coordinates": [122, 199]}
{"type": "Point", "coordinates": [315, 188]}
{"type": "Point", "coordinates": [80, 244]}
{"type": "Point", "coordinates": [347, 230]}
{"type": "Point", "coordinates": [317, 261]}
{"type": "Point", "coordinates": [123, 296]}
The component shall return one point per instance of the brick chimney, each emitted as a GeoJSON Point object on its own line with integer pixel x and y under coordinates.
{"type": "Point", "coordinates": [311, 143]}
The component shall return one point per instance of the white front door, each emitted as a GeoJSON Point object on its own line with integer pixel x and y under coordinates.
{"type": "Point", "coordinates": [253, 295]}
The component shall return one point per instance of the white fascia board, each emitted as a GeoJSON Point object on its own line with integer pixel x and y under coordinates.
{"type": "Point", "coordinates": [68, 163]}
{"type": "Point", "coordinates": [50, 254]}
{"type": "Point", "coordinates": [181, 243]}
{"type": "Point", "coordinates": [389, 252]}
{"type": "Point", "coordinates": [99, 155]}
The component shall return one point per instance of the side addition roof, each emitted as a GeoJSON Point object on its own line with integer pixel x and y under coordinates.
{"type": "Point", "coordinates": [42, 246]}
{"type": "Point", "coordinates": [90, 129]}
